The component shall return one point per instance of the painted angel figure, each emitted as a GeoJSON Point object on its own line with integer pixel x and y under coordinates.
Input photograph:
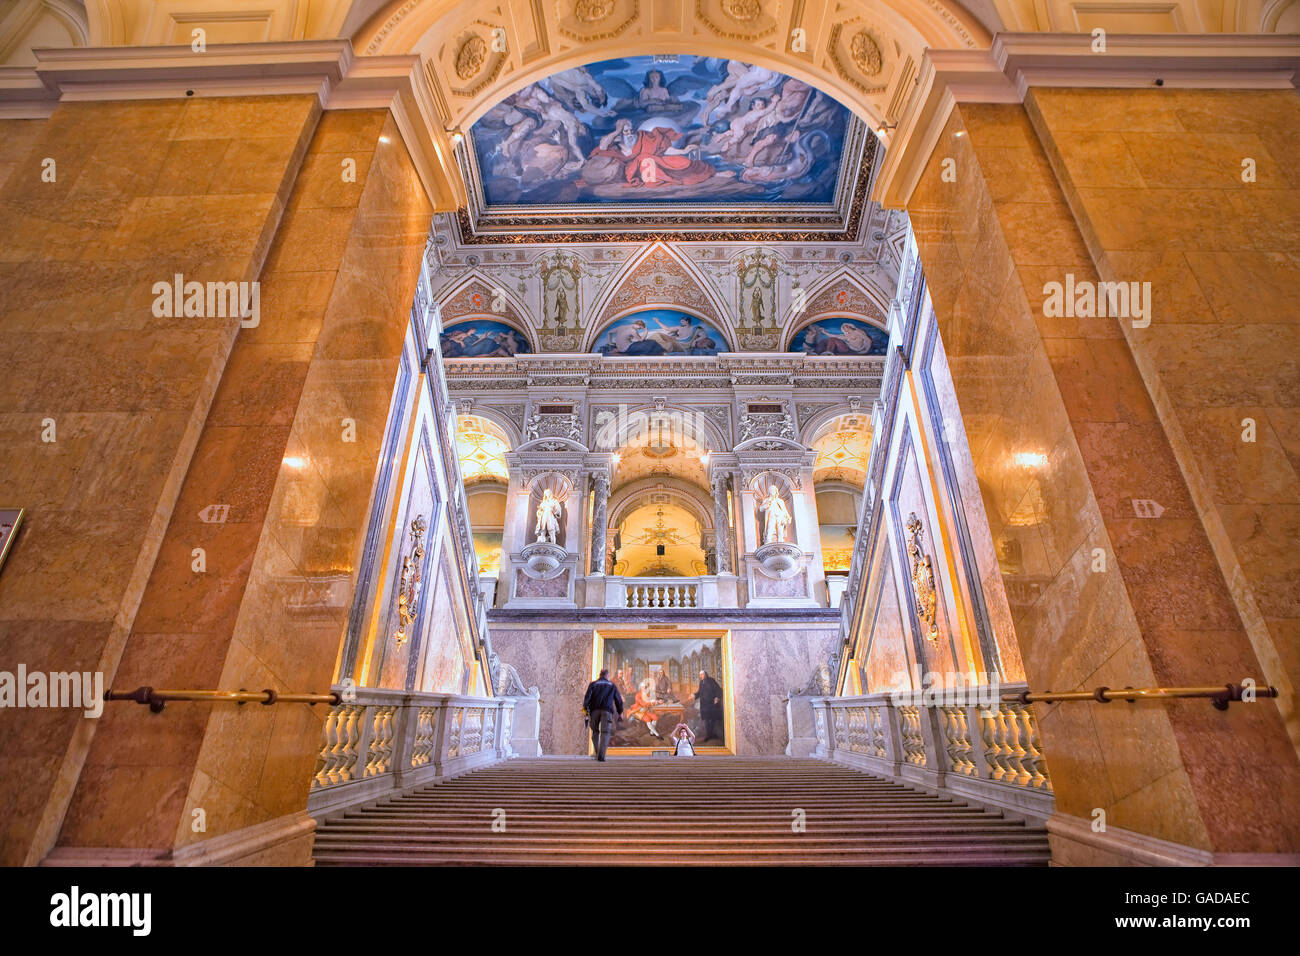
{"type": "Point", "coordinates": [777, 522]}
{"type": "Point", "coordinates": [548, 517]}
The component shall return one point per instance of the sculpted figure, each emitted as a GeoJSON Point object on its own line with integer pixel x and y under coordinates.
{"type": "Point", "coordinates": [777, 521]}
{"type": "Point", "coordinates": [548, 517]}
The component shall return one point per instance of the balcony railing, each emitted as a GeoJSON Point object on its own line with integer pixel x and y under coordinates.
{"type": "Point", "coordinates": [663, 592]}
{"type": "Point", "coordinates": [386, 740]}
{"type": "Point", "coordinates": [982, 748]}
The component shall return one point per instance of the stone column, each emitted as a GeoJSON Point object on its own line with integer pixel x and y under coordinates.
{"type": "Point", "coordinates": [599, 521]}
{"type": "Point", "coordinates": [722, 534]}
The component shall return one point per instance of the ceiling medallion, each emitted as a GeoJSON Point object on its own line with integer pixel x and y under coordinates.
{"type": "Point", "coordinates": [866, 53]}
{"type": "Point", "coordinates": [470, 56]}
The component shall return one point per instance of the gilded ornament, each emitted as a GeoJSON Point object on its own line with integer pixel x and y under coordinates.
{"type": "Point", "coordinates": [927, 599]}
{"type": "Point", "coordinates": [408, 591]}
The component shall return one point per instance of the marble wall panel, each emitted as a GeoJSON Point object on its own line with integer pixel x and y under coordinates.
{"type": "Point", "coordinates": [1221, 350]}
{"type": "Point", "coordinates": [128, 391]}
{"type": "Point", "coordinates": [1080, 401]}
{"type": "Point", "coordinates": [274, 447]}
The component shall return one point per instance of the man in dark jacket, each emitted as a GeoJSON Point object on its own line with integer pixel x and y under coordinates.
{"type": "Point", "coordinates": [709, 697]}
{"type": "Point", "coordinates": [601, 702]}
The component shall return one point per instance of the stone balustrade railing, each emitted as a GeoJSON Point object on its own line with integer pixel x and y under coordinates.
{"type": "Point", "coordinates": [982, 748]}
{"type": "Point", "coordinates": [663, 592]}
{"type": "Point", "coordinates": [387, 740]}
{"type": "Point", "coordinates": [667, 593]}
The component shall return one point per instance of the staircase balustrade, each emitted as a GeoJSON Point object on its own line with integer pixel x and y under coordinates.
{"type": "Point", "coordinates": [986, 749]}
{"type": "Point", "coordinates": [379, 741]}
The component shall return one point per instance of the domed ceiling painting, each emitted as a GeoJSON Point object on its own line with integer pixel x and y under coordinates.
{"type": "Point", "coordinates": [699, 137]}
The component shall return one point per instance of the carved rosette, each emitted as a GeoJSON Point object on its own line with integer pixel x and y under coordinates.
{"type": "Point", "coordinates": [472, 60]}
{"type": "Point", "coordinates": [738, 19]}
{"type": "Point", "coordinates": [858, 56]}
{"type": "Point", "coordinates": [590, 20]}
{"type": "Point", "coordinates": [927, 598]}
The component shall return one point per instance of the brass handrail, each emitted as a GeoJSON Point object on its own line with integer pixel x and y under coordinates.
{"type": "Point", "coordinates": [157, 699]}
{"type": "Point", "coordinates": [1220, 696]}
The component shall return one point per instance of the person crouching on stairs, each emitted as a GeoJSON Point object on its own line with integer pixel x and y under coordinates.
{"type": "Point", "coordinates": [683, 741]}
{"type": "Point", "coordinates": [599, 705]}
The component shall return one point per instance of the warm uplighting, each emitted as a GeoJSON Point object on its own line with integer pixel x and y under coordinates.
{"type": "Point", "coordinates": [1030, 459]}
{"type": "Point", "coordinates": [296, 463]}
{"type": "Point", "coordinates": [704, 459]}
{"type": "Point", "coordinates": [383, 139]}
{"type": "Point", "coordinates": [615, 458]}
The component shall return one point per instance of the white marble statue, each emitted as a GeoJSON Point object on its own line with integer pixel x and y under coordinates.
{"type": "Point", "coordinates": [548, 517]}
{"type": "Point", "coordinates": [777, 522]}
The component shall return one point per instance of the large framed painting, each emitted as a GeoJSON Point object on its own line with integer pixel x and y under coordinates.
{"type": "Point", "coordinates": [677, 129]}
{"type": "Point", "coordinates": [840, 337]}
{"type": "Point", "coordinates": [666, 682]}
{"type": "Point", "coordinates": [482, 338]}
{"type": "Point", "coordinates": [659, 332]}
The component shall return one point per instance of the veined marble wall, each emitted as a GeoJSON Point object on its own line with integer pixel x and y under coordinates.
{"type": "Point", "coordinates": [210, 188]}
{"type": "Point", "coordinates": [1065, 437]}
{"type": "Point", "coordinates": [1209, 170]}
{"type": "Point", "coordinates": [768, 661]}
{"type": "Point", "coordinates": [101, 408]}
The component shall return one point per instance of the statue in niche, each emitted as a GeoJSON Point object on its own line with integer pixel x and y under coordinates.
{"type": "Point", "coordinates": [777, 522]}
{"type": "Point", "coordinates": [548, 517]}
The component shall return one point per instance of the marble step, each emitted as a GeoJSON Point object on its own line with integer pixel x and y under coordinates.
{"type": "Point", "coordinates": [713, 811]}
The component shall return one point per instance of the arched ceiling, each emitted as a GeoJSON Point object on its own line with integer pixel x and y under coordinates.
{"type": "Point", "coordinates": [652, 525]}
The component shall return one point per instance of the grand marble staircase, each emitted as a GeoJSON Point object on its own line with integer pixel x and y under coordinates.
{"type": "Point", "coordinates": [659, 810]}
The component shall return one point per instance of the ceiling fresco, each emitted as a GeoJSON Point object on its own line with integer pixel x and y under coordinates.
{"type": "Point", "coordinates": [482, 338]}
{"type": "Point", "coordinates": [840, 337]}
{"type": "Point", "coordinates": [660, 332]}
{"type": "Point", "coordinates": [664, 132]}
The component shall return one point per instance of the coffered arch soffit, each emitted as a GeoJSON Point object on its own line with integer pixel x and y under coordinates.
{"type": "Point", "coordinates": [638, 494]}
{"type": "Point", "coordinates": [858, 51]}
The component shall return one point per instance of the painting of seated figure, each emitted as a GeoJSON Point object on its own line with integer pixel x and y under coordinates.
{"type": "Point", "coordinates": [840, 337]}
{"type": "Point", "coordinates": [659, 332]}
{"type": "Point", "coordinates": [665, 682]}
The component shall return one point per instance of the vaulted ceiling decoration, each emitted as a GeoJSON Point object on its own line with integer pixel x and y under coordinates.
{"type": "Point", "coordinates": [668, 142]}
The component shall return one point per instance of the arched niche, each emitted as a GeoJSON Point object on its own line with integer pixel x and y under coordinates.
{"type": "Point", "coordinates": [561, 489]}
{"type": "Point", "coordinates": [762, 485]}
